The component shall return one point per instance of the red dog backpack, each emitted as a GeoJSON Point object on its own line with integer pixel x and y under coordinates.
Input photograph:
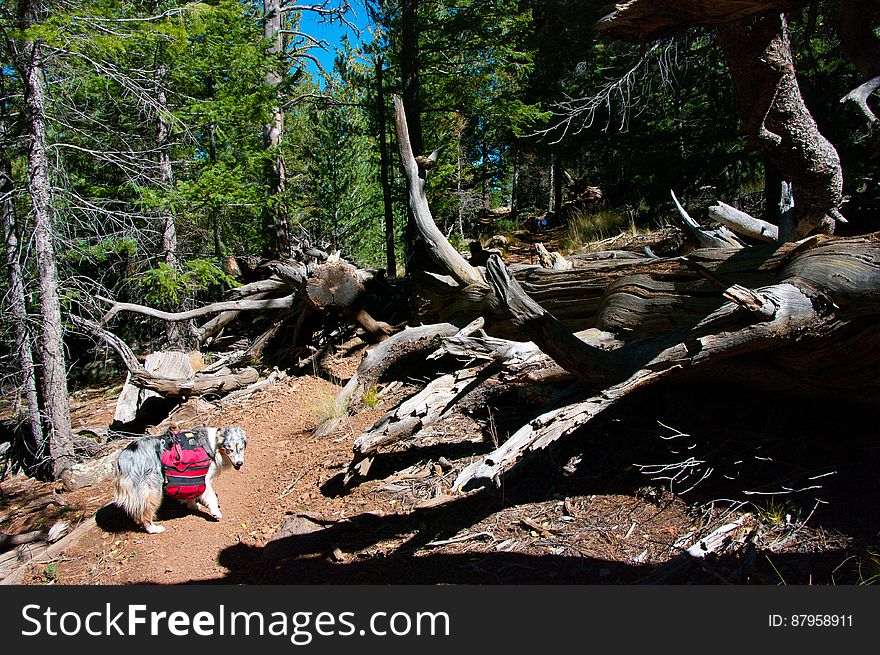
{"type": "Point", "coordinates": [185, 463]}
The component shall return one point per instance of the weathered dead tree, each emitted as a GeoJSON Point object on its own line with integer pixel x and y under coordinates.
{"type": "Point", "coordinates": [798, 316]}
{"type": "Point", "coordinates": [744, 224]}
{"type": "Point", "coordinates": [755, 40]}
{"type": "Point", "coordinates": [759, 56]}
{"type": "Point", "coordinates": [219, 382]}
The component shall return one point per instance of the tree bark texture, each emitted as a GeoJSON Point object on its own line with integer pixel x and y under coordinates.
{"type": "Point", "coordinates": [55, 397]}
{"type": "Point", "coordinates": [24, 344]}
{"type": "Point", "coordinates": [174, 331]}
{"type": "Point", "coordinates": [758, 53]}
{"type": "Point", "coordinates": [384, 163]}
{"type": "Point", "coordinates": [276, 216]}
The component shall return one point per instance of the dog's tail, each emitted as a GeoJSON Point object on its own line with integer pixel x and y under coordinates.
{"type": "Point", "coordinates": [138, 484]}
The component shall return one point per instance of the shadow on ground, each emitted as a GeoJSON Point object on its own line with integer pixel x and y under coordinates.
{"type": "Point", "coordinates": [780, 460]}
{"type": "Point", "coordinates": [112, 518]}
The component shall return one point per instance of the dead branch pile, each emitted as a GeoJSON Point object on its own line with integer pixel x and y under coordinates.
{"type": "Point", "coordinates": [301, 300]}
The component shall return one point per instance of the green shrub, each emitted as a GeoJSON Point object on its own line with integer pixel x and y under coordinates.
{"type": "Point", "coordinates": [165, 285]}
{"type": "Point", "coordinates": [371, 398]}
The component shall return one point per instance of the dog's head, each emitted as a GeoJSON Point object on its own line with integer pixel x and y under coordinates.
{"type": "Point", "coordinates": [232, 441]}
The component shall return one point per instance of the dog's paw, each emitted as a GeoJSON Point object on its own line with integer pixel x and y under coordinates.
{"type": "Point", "coordinates": [152, 528]}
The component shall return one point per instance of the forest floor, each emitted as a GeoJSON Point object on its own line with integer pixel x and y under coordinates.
{"type": "Point", "coordinates": [794, 493]}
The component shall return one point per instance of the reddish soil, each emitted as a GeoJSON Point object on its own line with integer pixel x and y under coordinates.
{"type": "Point", "coordinates": [287, 518]}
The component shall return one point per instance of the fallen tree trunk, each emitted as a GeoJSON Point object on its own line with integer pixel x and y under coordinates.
{"type": "Point", "coordinates": [222, 381]}
{"type": "Point", "coordinates": [798, 317]}
{"type": "Point", "coordinates": [408, 344]}
{"type": "Point", "coordinates": [741, 223]}
{"type": "Point", "coordinates": [229, 305]}
{"type": "Point", "coordinates": [823, 303]}
{"type": "Point", "coordinates": [658, 358]}
{"type": "Point", "coordinates": [336, 285]}
{"type": "Point", "coordinates": [254, 291]}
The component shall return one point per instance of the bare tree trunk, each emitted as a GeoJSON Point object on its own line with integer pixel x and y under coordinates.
{"type": "Point", "coordinates": [18, 311]}
{"type": "Point", "coordinates": [276, 216]}
{"type": "Point", "coordinates": [758, 53]}
{"type": "Point", "coordinates": [55, 397]}
{"type": "Point", "coordinates": [484, 175]}
{"type": "Point", "coordinates": [215, 218]}
{"type": "Point", "coordinates": [409, 71]}
{"type": "Point", "coordinates": [409, 63]}
{"type": "Point", "coordinates": [173, 330]}
{"type": "Point", "coordinates": [384, 163]}
{"type": "Point", "coordinates": [514, 182]}
{"type": "Point", "coordinates": [438, 248]}
{"type": "Point", "coordinates": [166, 176]}
{"type": "Point", "coordinates": [459, 172]}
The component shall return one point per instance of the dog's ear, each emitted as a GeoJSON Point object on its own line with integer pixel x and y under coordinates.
{"type": "Point", "coordinates": [220, 436]}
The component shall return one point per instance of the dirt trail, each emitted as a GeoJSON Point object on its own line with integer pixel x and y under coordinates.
{"type": "Point", "coordinates": [284, 468]}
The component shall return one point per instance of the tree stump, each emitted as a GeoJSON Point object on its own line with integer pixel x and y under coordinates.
{"type": "Point", "coordinates": [336, 285]}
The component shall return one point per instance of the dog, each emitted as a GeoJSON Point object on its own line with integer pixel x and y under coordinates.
{"type": "Point", "coordinates": [139, 481]}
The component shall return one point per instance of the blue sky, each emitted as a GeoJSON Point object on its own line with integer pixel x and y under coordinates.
{"type": "Point", "coordinates": [333, 33]}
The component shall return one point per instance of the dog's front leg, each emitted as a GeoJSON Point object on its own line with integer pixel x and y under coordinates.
{"type": "Point", "coordinates": [209, 500]}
